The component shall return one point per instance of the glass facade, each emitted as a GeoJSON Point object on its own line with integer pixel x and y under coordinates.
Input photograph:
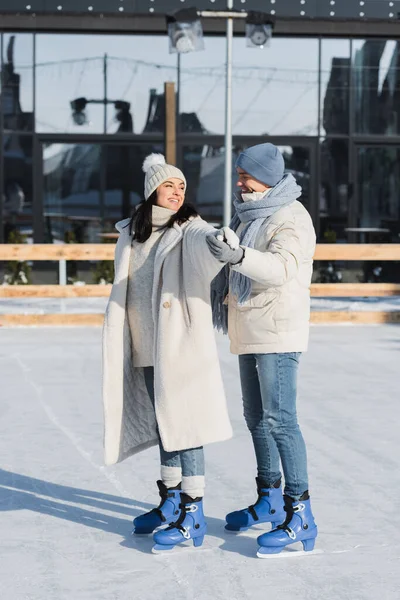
{"type": "Point", "coordinates": [79, 113]}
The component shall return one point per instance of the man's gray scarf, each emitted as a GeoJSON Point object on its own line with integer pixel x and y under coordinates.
{"type": "Point", "coordinates": [254, 214]}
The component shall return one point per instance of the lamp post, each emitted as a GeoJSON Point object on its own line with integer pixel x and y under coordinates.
{"type": "Point", "coordinates": [228, 120]}
{"type": "Point", "coordinates": [105, 74]}
{"type": "Point", "coordinates": [185, 33]}
{"type": "Point", "coordinates": [123, 115]}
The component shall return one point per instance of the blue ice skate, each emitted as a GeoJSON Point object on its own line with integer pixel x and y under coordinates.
{"type": "Point", "coordinates": [190, 526]}
{"type": "Point", "coordinates": [299, 526]}
{"type": "Point", "coordinates": [267, 509]}
{"type": "Point", "coordinates": [167, 511]}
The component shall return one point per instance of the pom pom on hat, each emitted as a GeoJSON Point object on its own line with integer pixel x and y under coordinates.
{"type": "Point", "coordinates": [157, 171]}
{"type": "Point", "coordinates": [153, 160]}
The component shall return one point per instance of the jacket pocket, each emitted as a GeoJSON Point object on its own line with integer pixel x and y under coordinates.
{"type": "Point", "coordinates": [261, 300]}
{"type": "Point", "coordinates": [255, 318]}
{"type": "Point", "coordinates": [293, 311]}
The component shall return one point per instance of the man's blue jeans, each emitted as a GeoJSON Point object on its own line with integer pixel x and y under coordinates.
{"type": "Point", "coordinates": [269, 389]}
{"type": "Point", "coordinates": [192, 460]}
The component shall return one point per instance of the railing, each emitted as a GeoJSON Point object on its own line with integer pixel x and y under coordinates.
{"type": "Point", "coordinates": [95, 252]}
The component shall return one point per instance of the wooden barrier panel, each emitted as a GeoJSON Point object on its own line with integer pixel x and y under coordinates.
{"type": "Point", "coordinates": [49, 252]}
{"type": "Point", "coordinates": [337, 290]}
{"type": "Point", "coordinates": [55, 291]}
{"type": "Point", "coordinates": [357, 317]}
{"type": "Point", "coordinates": [351, 290]}
{"type": "Point", "coordinates": [55, 320]}
{"type": "Point", "coordinates": [57, 252]}
{"type": "Point", "coordinates": [96, 320]}
{"type": "Point", "coordinates": [359, 252]}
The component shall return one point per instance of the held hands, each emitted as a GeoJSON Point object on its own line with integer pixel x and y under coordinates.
{"type": "Point", "coordinates": [224, 245]}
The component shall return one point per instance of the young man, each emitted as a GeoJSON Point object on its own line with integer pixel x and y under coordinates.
{"type": "Point", "coordinates": [262, 299]}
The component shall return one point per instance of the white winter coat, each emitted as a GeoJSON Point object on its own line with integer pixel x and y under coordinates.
{"type": "Point", "coordinates": [276, 316]}
{"type": "Point", "coordinates": [190, 404]}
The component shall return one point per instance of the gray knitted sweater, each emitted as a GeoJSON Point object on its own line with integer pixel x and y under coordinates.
{"type": "Point", "coordinates": [140, 288]}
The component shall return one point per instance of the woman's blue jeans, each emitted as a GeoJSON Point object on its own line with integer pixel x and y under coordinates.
{"type": "Point", "coordinates": [269, 389]}
{"type": "Point", "coordinates": [191, 461]}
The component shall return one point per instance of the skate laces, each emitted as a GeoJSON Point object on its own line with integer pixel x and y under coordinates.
{"type": "Point", "coordinates": [290, 512]}
{"type": "Point", "coordinates": [179, 521]}
{"type": "Point", "coordinates": [185, 508]}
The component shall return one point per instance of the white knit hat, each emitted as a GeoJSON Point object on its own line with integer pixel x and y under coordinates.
{"type": "Point", "coordinates": [157, 171]}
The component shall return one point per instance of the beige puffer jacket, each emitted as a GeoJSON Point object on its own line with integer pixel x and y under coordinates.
{"type": "Point", "coordinates": [276, 316]}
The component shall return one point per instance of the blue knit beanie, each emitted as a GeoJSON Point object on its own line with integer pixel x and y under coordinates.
{"type": "Point", "coordinates": [264, 162]}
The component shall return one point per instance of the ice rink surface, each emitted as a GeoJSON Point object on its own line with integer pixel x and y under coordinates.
{"type": "Point", "coordinates": [65, 519]}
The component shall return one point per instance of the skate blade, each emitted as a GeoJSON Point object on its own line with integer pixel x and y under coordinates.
{"type": "Point", "coordinates": [288, 553]}
{"type": "Point", "coordinates": [161, 549]}
{"type": "Point", "coordinates": [147, 533]}
{"type": "Point", "coordinates": [179, 548]}
{"type": "Point", "coordinates": [257, 528]}
{"type": "Point", "coordinates": [236, 531]}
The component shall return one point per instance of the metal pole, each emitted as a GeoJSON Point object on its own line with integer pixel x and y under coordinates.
{"type": "Point", "coordinates": [105, 91]}
{"type": "Point", "coordinates": [62, 272]}
{"type": "Point", "coordinates": [178, 95]}
{"type": "Point", "coordinates": [2, 197]}
{"type": "Point", "coordinates": [228, 120]}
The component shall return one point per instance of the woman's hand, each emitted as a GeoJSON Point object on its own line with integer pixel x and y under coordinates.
{"type": "Point", "coordinates": [227, 235]}
{"type": "Point", "coordinates": [224, 245]}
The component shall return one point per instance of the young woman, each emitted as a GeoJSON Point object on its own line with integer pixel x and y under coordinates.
{"type": "Point", "coordinates": [161, 377]}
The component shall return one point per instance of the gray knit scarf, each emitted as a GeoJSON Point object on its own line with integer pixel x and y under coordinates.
{"type": "Point", "coordinates": [253, 213]}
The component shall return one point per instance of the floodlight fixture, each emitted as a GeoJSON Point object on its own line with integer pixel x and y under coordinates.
{"type": "Point", "coordinates": [259, 28]}
{"type": "Point", "coordinates": [78, 111]}
{"type": "Point", "coordinates": [185, 31]}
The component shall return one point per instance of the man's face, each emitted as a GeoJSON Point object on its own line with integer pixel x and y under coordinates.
{"type": "Point", "coordinates": [247, 184]}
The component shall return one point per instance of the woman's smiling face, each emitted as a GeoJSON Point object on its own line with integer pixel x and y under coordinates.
{"type": "Point", "coordinates": [171, 194]}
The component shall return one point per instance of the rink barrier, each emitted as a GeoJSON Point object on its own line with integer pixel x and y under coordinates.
{"type": "Point", "coordinates": [95, 252]}
{"type": "Point", "coordinates": [59, 252]}
{"type": "Point", "coordinates": [96, 319]}
{"type": "Point", "coordinates": [318, 290]}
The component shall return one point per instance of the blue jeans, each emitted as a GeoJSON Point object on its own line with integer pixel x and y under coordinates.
{"type": "Point", "coordinates": [191, 461]}
{"type": "Point", "coordinates": [269, 388]}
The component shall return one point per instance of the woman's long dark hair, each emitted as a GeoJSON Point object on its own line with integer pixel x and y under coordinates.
{"type": "Point", "coordinates": [141, 222]}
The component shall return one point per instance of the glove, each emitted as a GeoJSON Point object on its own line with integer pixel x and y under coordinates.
{"type": "Point", "coordinates": [222, 251]}
{"type": "Point", "coordinates": [227, 235]}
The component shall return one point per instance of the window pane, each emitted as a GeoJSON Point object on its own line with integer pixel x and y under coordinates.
{"type": "Point", "coordinates": [378, 185]}
{"type": "Point", "coordinates": [74, 67]}
{"type": "Point", "coordinates": [17, 82]}
{"type": "Point", "coordinates": [275, 89]}
{"type": "Point", "coordinates": [17, 193]}
{"type": "Point", "coordinates": [298, 163]}
{"type": "Point", "coordinates": [202, 88]}
{"type": "Point", "coordinates": [376, 86]}
{"type": "Point", "coordinates": [333, 196]}
{"type": "Point", "coordinates": [203, 166]}
{"type": "Point", "coordinates": [124, 180]}
{"type": "Point", "coordinates": [71, 195]}
{"type": "Point", "coordinates": [335, 73]}
{"type": "Point", "coordinates": [89, 187]}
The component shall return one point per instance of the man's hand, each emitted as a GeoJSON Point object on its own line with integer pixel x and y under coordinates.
{"type": "Point", "coordinates": [222, 250]}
